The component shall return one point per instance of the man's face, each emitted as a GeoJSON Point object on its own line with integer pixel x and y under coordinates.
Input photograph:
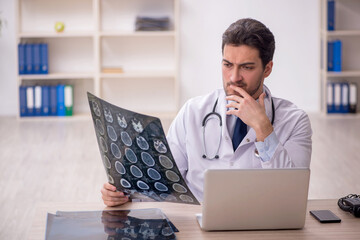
{"type": "Point", "coordinates": [242, 67]}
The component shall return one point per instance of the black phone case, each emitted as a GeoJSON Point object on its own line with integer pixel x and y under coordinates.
{"type": "Point", "coordinates": [325, 216]}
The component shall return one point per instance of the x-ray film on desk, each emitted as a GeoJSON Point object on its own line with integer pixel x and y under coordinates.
{"type": "Point", "coordinates": [149, 223]}
{"type": "Point", "coordinates": [136, 154]}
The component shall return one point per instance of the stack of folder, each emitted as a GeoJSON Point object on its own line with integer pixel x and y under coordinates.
{"type": "Point", "coordinates": [33, 58]}
{"type": "Point", "coordinates": [152, 23]}
{"type": "Point", "coordinates": [56, 100]}
{"type": "Point", "coordinates": [341, 97]}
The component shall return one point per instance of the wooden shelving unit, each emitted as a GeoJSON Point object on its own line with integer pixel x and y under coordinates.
{"type": "Point", "coordinates": [347, 29]}
{"type": "Point", "coordinates": [101, 34]}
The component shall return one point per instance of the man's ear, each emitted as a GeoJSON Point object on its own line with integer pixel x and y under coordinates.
{"type": "Point", "coordinates": [268, 69]}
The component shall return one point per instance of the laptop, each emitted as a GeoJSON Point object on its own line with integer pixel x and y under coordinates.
{"type": "Point", "coordinates": [254, 199]}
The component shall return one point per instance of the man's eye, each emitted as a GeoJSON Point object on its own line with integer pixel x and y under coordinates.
{"type": "Point", "coordinates": [248, 67]}
{"type": "Point", "coordinates": [227, 64]}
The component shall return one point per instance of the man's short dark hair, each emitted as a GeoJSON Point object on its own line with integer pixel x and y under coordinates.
{"type": "Point", "coordinates": [252, 33]}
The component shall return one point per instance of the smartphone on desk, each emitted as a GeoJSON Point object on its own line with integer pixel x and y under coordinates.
{"type": "Point", "coordinates": [325, 216]}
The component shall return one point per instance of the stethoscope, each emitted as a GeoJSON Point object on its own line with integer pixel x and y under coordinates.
{"type": "Point", "coordinates": [213, 113]}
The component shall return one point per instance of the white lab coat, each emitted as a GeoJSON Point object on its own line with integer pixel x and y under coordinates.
{"type": "Point", "coordinates": [185, 137]}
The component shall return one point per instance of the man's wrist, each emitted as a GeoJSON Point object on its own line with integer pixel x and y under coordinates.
{"type": "Point", "coordinates": [263, 131]}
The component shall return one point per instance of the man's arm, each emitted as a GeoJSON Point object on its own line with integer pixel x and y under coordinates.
{"type": "Point", "coordinates": [294, 152]}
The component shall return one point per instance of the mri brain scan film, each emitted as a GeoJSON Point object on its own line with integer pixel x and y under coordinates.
{"type": "Point", "coordinates": [136, 155]}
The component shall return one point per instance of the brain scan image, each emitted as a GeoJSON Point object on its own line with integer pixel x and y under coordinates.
{"type": "Point", "coordinates": [172, 176]}
{"type": "Point", "coordinates": [125, 183]}
{"type": "Point", "coordinates": [136, 155]}
{"type": "Point", "coordinates": [147, 159]}
{"type": "Point", "coordinates": [111, 133]}
{"type": "Point", "coordinates": [137, 125]}
{"type": "Point", "coordinates": [103, 145]}
{"type": "Point", "coordinates": [96, 108]}
{"type": "Point", "coordinates": [142, 185]}
{"type": "Point", "coordinates": [121, 120]}
{"type": "Point", "coordinates": [142, 143]}
{"type": "Point", "coordinates": [130, 155]}
{"type": "Point", "coordinates": [100, 127]}
{"type": "Point", "coordinates": [120, 168]}
{"type": "Point", "coordinates": [161, 187]}
{"type": "Point", "coordinates": [108, 115]}
{"type": "Point", "coordinates": [135, 171]}
{"type": "Point", "coordinates": [126, 139]}
{"type": "Point", "coordinates": [153, 174]}
{"type": "Point", "coordinates": [106, 162]}
{"type": "Point", "coordinates": [160, 146]}
{"type": "Point", "coordinates": [115, 150]}
{"type": "Point", "coordinates": [110, 179]}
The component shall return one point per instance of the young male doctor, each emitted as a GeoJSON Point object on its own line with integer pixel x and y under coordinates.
{"type": "Point", "coordinates": [241, 125]}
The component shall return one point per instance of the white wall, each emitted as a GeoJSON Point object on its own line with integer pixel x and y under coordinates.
{"type": "Point", "coordinates": [295, 24]}
{"type": "Point", "coordinates": [8, 85]}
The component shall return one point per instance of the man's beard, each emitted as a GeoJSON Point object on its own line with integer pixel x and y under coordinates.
{"type": "Point", "coordinates": [251, 92]}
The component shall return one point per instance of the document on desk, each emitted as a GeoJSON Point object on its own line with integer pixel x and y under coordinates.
{"type": "Point", "coordinates": [110, 224]}
{"type": "Point", "coordinates": [136, 155]}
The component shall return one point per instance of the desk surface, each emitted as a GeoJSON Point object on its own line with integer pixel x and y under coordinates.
{"type": "Point", "coordinates": [183, 216]}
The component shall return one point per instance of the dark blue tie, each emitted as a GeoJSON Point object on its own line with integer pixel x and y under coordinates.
{"type": "Point", "coordinates": [239, 133]}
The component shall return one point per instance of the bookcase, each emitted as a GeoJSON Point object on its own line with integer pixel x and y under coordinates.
{"type": "Point", "coordinates": [101, 52]}
{"type": "Point", "coordinates": [347, 30]}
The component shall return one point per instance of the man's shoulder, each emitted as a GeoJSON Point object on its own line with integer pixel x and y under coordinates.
{"type": "Point", "coordinates": [287, 108]}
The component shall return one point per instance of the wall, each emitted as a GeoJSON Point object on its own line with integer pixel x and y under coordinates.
{"type": "Point", "coordinates": [295, 24]}
{"type": "Point", "coordinates": [8, 92]}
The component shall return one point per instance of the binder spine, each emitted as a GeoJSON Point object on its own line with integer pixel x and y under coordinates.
{"type": "Point", "coordinates": [30, 101]}
{"type": "Point", "coordinates": [60, 100]}
{"type": "Point", "coordinates": [337, 97]}
{"type": "Point", "coordinates": [28, 59]}
{"type": "Point", "coordinates": [337, 56]}
{"type": "Point", "coordinates": [21, 53]}
{"type": "Point", "coordinates": [331, 15]}
{"type": "Point", "coordinates": [352, 98]}
{"type": "Point", "coordinates": [37, 100]}
{"type": "Point", "coordinates": [23, 104]}
{"type": "Point", "coordinates": [68, 101]}
{"type": "Point", "coordinates": [53, 101]}
{"type": "Point", "coordinates": [344, 98]}
{"type": "Point", "coordinates": [44, 58]}
{"type": "Point", "coordinates": [330, 98]}
{"type": "Point", "coordinates": [45, 101]}
{"type": "Point", "coordinates": [36, 62]}
{"type": "Point", "coordinates": [330, 56]}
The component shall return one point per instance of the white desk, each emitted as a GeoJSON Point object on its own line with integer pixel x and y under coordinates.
{"type": "Point", "coordinates": [183, 216]}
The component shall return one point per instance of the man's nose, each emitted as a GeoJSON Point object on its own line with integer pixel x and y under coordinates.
{"type": "Point", "coordinates": [235, 75]}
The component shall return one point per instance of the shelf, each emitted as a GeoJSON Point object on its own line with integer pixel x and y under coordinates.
{"type": "Point", "coordinates": [76, 34]}
{"type": "Point", "coordinates": [343, 74]}
{"type": "Point", "coordinates": [342, 115]}
{"type": "Point", "coordinates": [137, 34]}
{"type": "Point", "coordinates": [75, 117]}
{"type": "Point", "coordinates": [165, 74]}
{"type": "Point", "coordinates": [56, 76]}
{"type": "Point", "coordinates": [342, 33]}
